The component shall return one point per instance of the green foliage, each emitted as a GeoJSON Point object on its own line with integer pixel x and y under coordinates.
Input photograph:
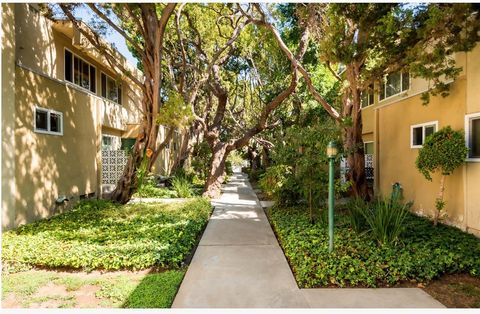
{"type": "Point", "coordinates": [423, 252]}
{"type": "Point", "coordinates": [383, 219]}
{"type": "Point", "coordinates": [235, 158]}
{"type": "Point", "coordinates": [149, 189]}
{"type": "Point", "coordinates": [174, 112]}
{"type": "Point", "coordinates": [201, 159]}
{"type": "Point", "coordinates": [102, 235]}
{"type": "Point", "coordinates": [156, 290]}
{"type": "Point", "coordinates": [182, 186]}
{"type": "Point", "coordinates": [443, 152]}
{"type": "Point", "coordinates": [274, 180]}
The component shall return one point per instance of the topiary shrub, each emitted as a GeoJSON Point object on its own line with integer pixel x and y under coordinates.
{"type": "Point", "coordinates": [442, 152]}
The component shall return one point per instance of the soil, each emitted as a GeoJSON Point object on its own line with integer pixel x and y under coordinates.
{"type": "Point", "coordinates": [456, 291]}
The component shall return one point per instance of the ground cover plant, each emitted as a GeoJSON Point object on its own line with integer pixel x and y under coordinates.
{"type": "Point", "coordinates": [102, 235]}
{"type": "Point", "coordinates": [421, 253]}
{"type": "Point", "coordinates": [42, 288]}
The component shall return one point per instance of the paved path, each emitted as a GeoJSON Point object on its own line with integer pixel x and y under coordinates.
{"type": "Point", "coordinates": [239, 264]}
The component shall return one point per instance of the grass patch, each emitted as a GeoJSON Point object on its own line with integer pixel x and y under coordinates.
{"type": "Point", "coordinates": [25, 284]}
{"type": "Point", "coordinates": [422, 252]}
{"type": "Point", "coordinates": [155, 290]}
{"type": "Point", "coordinates": [102, 235]}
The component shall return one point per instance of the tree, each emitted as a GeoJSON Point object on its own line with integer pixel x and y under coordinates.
{"type": "Point", "coordinates": [442, 152]}
{"type": "Point", "coordinates": [149, 22]}
{"type": "Point", "coordinates": [369, 41]}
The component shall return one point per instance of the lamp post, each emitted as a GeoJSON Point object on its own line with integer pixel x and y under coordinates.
{"type": "Point", "coordinates": [331, 154]}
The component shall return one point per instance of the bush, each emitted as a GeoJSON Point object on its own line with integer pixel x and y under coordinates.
{"type": "Point", "coordinates": [148, 190]}
{"type": "Point", "coordinates": [384, 219]}
{"type": "Point", "coordinates": [102, 235]}
{"type": "Point", "coordinates": [423, 253]}
{"type": "Point", "coordinates": [182, 186]}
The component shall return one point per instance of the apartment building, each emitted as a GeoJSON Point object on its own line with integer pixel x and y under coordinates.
{"type": "Point", "coordinates": [66, 117]}
{"type": "Point", "coordinates": [395, 125]}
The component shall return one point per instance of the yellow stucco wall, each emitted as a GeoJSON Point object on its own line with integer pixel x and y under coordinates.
{"type": "Point", "coordinates": [472, 182]}
{"type": "Point", "coordinates": [50, 165]}
{"type": "Point", "coordinates": [396, 159]}
{"type": "Point", "coordinates": [8, 114]}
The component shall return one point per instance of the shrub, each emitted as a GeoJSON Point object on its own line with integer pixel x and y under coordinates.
{"type": "Point", "coordinates": [148, 190]}
{"type": "Point", "coordinates": [383, 219]}
{"type": "Point", "coordinates": [182, 186]}
{"type": "Point", "coordinates": [423, 253]}
{"type": "Point", "coordinates": [103, 235]}
{"type": "Point", "coordinates": [274, 179]}
{"type": "Point", "coordinates": [442, 152]}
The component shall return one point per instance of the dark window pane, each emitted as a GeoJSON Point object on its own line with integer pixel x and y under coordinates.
{"type": "Point", "coordinates": [76, 71]}
{"type": "Point", "coordinates": [55, 123]}
{"type": "Point", "coordinates": [475, 138]}
{"type": "Point", "coordinates": [41, 120]}
{"type": "Point", "coordinates": [418, 136]}
{"type": "Point", "coordinates": [68, 66]}
{"type": "Point", "coordinates": [429, 130]}
{"type": "Point", "coordinates": [119, 94]}
{"type": "Point", "coordinates": [405, 81]}
{"type": "Point", "coordinates": [382, 91]}
{"type": "Point", "coordinates": [85, 75]}
{"type": "Point", "coordinates": [369, 148]}
{"type": "Point", "coordinates": [104, 85]}
{"type": "Point", "coordinates": [393, 84]}
{"type": "Point", "coordinates": [93, 79]}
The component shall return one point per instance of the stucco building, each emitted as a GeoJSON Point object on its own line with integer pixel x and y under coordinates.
{"type": "Point", "coordinates": [62, 109]}
{"type": "Point", "coordinates": [395, 124]}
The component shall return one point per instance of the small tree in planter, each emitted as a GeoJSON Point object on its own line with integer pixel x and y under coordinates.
{"type": "Point", "coordinates": [443, 151]}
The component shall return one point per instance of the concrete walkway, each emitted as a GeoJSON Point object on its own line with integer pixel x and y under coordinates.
{"type": "Point", "coordinates": [239, 264]}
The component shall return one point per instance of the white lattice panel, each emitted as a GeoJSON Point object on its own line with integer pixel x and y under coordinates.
{"type": "Point", "coordinates": [113, 164]}
{"type": "Point", "coordinates": [368, 168]}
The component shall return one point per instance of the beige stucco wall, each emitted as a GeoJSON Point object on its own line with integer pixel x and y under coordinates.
{"type": "Point", "coordinates": [472, 182]}
{"type": "Point", "coordinates": [8, 115]}
{"type": "Point", "coordinates": [52, 165]}
{"type": "Point", "coordinates": [396, 159]}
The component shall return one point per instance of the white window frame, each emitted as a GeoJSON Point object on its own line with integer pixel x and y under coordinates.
{"type": "Point", "coordinates": [468, 118]}
{"type": "Point", "coordinates": [101, 92]}
{"type": "Point", "coordinates": [422, 125]}
{"type": "Point", "coordinates": [365, 144]}
{"type": "Point", "coordinates": [73, 75]}
{"type": "Point", "coordinates": [48, 111]}
{"type": "Point", "coordinates": [401, 84]}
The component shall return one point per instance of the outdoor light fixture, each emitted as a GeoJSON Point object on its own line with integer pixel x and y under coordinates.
{"type": "Point", "coordinates": [332, 149]}
{"type": "Point", "coordinates": [331, 154]}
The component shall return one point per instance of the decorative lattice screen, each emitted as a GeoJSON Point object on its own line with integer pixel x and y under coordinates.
{"type": "Point", "coordinates": [368, 167]}
{"type": "Point", "coordinates": [113, 164]}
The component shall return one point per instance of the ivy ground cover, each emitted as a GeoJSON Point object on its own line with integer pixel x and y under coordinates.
{"type": "Point", "coordinates": [422, 253]}
{"type": "Point", "coordinates": [102, 235]}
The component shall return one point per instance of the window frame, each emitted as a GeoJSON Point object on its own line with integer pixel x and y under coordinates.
{"type": "Point", "coordinates": [120, 97]}
{"type": "Point", "coordinates": [422, 125]}
{"type": "Point", "coordinates": [49, 112]}
{"type": "Point", "coordinates": [468, 118]}
{"type": "Point", "coordinates": [73, 71]}
{"type": "Point", "coordinates": [401, 86]}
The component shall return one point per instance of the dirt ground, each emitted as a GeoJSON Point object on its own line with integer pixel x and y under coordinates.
{"type": "Point", "coordinates": [456, 291]}
{"type": "Point", "coordinates": [64, 289]}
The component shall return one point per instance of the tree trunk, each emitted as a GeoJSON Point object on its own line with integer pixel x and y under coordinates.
{"type": "Point", "coordinates": [353, 141]}
{"type": "Point", "coordinates": [216, 174]}
{"type": "Point", "coordinates": [439, 204]}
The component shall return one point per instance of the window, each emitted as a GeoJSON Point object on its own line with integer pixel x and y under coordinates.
{"type": "Point", "coordinates": [111, 90]}
{"type": "Point", "coordinates": [419, 132]}
{"type": "Point", "coordinates": [394, 84]}
{"type": "Point", "coordinates": [367, 97]}
{"type": "Point", "coordinates": [472, 134]}
{"type": "Point", "coordinates": [48, 121]}
{"type": "Point", "coordinates": [107, 142]}
{"type": "Point", "coordinates": [368, 148]}
{"type": "Point", "coordinates": [79, 72]}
